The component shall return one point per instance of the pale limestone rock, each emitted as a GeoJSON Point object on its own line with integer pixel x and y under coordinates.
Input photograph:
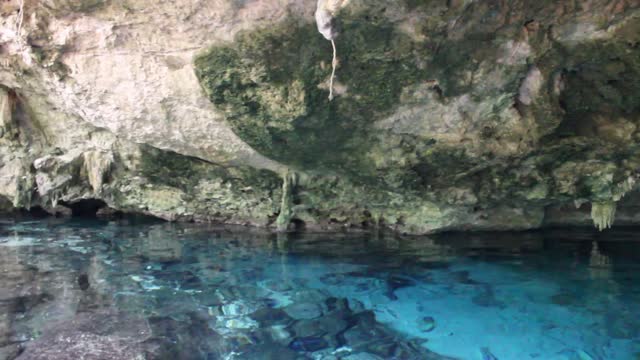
{"type": "Point", "coordinates": [514, 53]}
{"type": "Point", "coordinates": [97, 166]}
{"type": "Point", "coordinates": [618, 130]}
{"type": "Point", "coordinates": [55, 174]}
{"type": "Point", "coordinates": [153, 97]}
{"type": "Point", "coordinates": [5, 111]}
{"type": "Point", "coordinates": [531, 86]}
{"type": "Point", "coordinates": [100, 81]}
{"type": "Point", "coordinates": [326, 10]}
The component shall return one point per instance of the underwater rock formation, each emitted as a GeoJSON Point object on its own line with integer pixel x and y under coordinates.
{"type": "Point", "coordinates": [456, 115]}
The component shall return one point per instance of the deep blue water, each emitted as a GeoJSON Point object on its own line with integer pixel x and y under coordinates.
{"type": "Point", "coordinates": [126, 290]}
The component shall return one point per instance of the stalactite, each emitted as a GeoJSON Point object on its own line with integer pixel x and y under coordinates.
{"type": "Point", "coordinates": [24, 190]}
{"type": "Point", "coordinates": [9, 102]}
{"type": "Point", "coordinates": [97, 166]}
{"type": "Point", "coordinates": [603, 214]}
{"type": "Point", "coordinates": [286, 205]}
{"type": "Point", "coordinates": [623, 188]}
{"type": "Point", "coordinates": [5, 110]}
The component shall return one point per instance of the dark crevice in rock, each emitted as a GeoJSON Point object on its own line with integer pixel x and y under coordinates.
{"type": "Point", "coordinates": [86, 208]}
{"type": "Point", "coordinates": [297, 224]}
{"type": "Point", "coordinates": [36, 212]}
{"type": "Point", "coordinates": [599, 98]}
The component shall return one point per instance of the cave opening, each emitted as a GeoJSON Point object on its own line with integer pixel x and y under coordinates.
{"type": "Point", "coordinates": [298, 224]}
{"type": "Point", "coordinates": [36, 212]}
{"type": "Point", "coordinates": [85, 208]}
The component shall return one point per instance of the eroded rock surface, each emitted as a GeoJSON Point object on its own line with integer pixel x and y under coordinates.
{"type": "Point", "coordinates": [448, 114]}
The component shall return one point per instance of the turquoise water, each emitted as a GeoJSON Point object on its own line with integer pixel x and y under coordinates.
{"type": "Point", "coordinates": [145, 290]}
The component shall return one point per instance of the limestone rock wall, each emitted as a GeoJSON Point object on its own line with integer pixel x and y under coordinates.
{"type": "Point", "coordinates": [458, 115]}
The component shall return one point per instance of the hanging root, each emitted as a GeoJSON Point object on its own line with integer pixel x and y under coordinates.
{"type": "Point", "coordinates": [19, 24]}
{"type": "Point", "coordinates": [324, 15]}
{"type": "Point", "coordinates": [20, 16]}
{"type": "Point", "coordinates": [334, 64]}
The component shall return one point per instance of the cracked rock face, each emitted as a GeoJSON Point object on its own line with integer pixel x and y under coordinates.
{"type": "Point", "coordinates": [458, 115]}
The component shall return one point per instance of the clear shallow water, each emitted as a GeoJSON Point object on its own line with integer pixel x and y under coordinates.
{"type": "Point", "coordinates": [121, 290]}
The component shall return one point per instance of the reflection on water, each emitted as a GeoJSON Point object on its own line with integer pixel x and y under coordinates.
{"type": "Point", "coordinates": [121, 290]}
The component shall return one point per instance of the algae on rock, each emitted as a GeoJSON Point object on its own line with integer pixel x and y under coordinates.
{"type": "Point", "coordinates": [266, 82]}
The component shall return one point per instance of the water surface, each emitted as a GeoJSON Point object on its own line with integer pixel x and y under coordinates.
{"type": "Point", "coordinates": [141, 290]}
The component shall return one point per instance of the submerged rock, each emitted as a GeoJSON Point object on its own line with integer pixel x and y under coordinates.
{"type": "Point", "coordinates": [617, 326]}
{"type": "Point", "coordinates": [269, 352]}
{"type": "Point", "coordinates": [486, 354]}
{"type": "Point", "coordinates": [10, 351]}
{"type": "Point", "coordinates": [237, 308]}
{"type": "Point", "coordinates": [300, 311]}
{"type": "Point", "coordinates": [279, 334]}
{"type": "Point", "coordinates": [396, 282]}
{"type": "Point", "coordinates": [77, 345]}
{"type": "Point", "coordinates": [486, 298]}
{"type": "Point", "coordinates": [571, 354]}
{"type": "Point", "coordinates": [427, 324]}
{"type": "Point", "coordinates": [463, 277]}
{"type": "Point", "coordinates": [564, 299]}
{"type": "Point", "coordinates": [332, 323]}
{"type": "Point", "coordinates": [362, 356]}
{"type": "Point", "coordinates": [91, 335]}
{"type": "Point", "coordinates": [308, 344]}
{"type": "Point", "coordinates": [268, 316]}
{"type": "Point", "coordinates": [239, 323]}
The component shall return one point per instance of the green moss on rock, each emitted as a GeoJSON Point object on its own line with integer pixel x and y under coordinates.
{"type": "Point", "coordinates": [183, 172]}
{"type": "Point", "coordinates": [272, 85]}
{"type": "Point", "coordinates": [85, 6]}
{"type": "Point", "coordinates": [604, 77]}
{"type": "Point", "coordinates": [177, 187]}
{"type": "Point", "coordinates": [269, 83]}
